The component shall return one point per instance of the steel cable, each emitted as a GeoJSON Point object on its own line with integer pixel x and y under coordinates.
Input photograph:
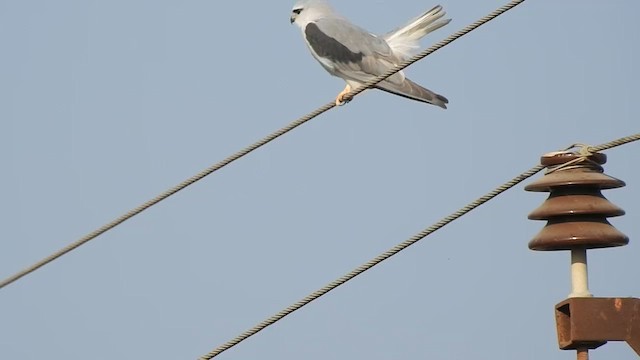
{"type": "Point", "coordinates": [396, 249]}
{"type": "Point", "coordinates": [94, 234]}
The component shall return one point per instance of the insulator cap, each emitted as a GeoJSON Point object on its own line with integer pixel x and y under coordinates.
{"type": "Point", "coordinates": [575, 175]}
{"type": "Point", "coordinates": [576, 210]}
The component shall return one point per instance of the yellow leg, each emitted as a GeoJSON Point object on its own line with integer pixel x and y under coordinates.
{"type": "Point", "coordinates": [340, 99]}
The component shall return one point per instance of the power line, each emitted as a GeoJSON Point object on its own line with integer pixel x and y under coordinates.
{"type": "Point", "coordinates": [396, 249]}
{"type": "Point", "coordinates": [618, 142]}
{"type": "Point", "coordinates": [370, 264]}
{"type": "Point", "coordinates": [94, 234]}
{"type": "Point", "coordinates": [109, 226]}
{"type": "Point", "coordinates": [439, 45]}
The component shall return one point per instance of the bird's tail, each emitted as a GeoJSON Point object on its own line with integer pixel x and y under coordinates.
{"type": "Point", "coordinates": [404, 40]}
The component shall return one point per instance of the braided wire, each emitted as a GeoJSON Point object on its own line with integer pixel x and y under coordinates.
{"type": "Point", "coordinates": [437, 46]}
{"type": "Point", "coordinates": [267, 139]}
{"type": "Point", "coordinates": [396, 249]}
{"type": "Point", "coordinates": [103, 229]}
{"type": "Point", "coordinates": [371, 263]}
{"type": "Point", "coordinates": [615, 143]}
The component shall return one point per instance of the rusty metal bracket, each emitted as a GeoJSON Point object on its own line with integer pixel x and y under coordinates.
{"type": "Point", "coordinates": [591, 322]}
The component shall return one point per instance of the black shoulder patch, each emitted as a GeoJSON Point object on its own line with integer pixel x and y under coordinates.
{"type": "Point", "coordinates": [328, 47]}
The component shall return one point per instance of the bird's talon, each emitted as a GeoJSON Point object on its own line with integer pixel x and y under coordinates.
{"type": "Point", "coordinates": [341, 100]}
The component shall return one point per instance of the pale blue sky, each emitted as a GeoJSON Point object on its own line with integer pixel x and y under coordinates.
{"type": "Point", "coordinates": [104, 104]}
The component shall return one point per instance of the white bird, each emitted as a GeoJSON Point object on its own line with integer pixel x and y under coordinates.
{"type": "Point", "coordinates": [357, 56]}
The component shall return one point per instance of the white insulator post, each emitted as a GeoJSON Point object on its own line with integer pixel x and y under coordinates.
{"type": "Point", "coordinates": [579, 273]}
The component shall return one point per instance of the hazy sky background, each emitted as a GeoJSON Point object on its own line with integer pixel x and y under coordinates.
{"type": "Point", "coordinates": [104, 104]}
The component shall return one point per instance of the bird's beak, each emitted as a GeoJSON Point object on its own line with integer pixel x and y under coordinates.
{"type": "Point", "coordinates": [293, 18]}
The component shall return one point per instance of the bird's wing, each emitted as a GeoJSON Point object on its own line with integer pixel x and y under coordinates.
{"type": "Point", "coordinates": [411, 90]}
{"type": "Point", "coordinates": [349, 51]}
{"type": "Point", "coordinates": [352, 53]}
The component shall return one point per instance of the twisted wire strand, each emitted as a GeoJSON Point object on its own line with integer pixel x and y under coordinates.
{"type": "Point", "coordinates": [437, 46]}
{"type": "Point", "coordinates": [396, 249]}
{"type": "Point", "coordinates": [618, 142]}
{"type": "Point", "coordinates": [109, 226]}
{"type": "Point", "coordinates": [371, 263]}
{"type": "Point", "coordinates": [208, 171]}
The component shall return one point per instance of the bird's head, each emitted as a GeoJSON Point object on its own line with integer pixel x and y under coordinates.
{"type": "Point", "coordinates": [306, 11]}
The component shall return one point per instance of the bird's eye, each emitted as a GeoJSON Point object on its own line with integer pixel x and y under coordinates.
{"type": "Point", "coordinates": [297, 11]}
